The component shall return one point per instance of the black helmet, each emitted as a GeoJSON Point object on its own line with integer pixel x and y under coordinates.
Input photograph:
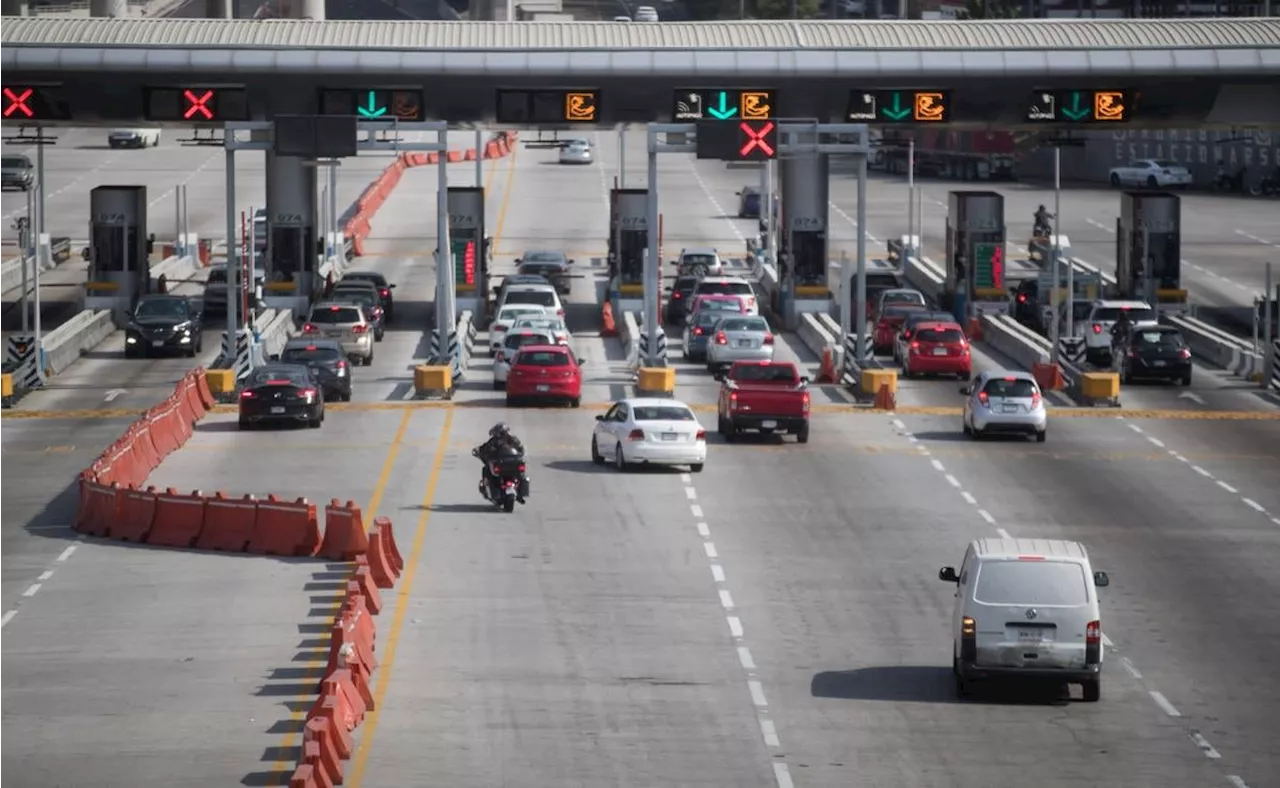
{"type": "Point", "coordinates": [499, 429]}
{"type": "Point", "coordinates": [1041, 207]}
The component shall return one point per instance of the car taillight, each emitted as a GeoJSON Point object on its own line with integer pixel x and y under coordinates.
{"type": "Point", "coordinates": [915, 347]}
{"type": "Point", "coordinates": [697, 332]}
{"type": "Point", "coordinates": [968, 627]}
{"type": "Point", "coordinates": [768, 339]}
{"type": "Point", "coordinates": [309, 328]}
{"type": "Point", "coordinates": [1022, 298]}
{"type": "Point", "coordinates": [676, 296]}
{"type": "Point", "coordinates": [385, 292]}
{"type": "Point", "coordinates": [983, 398]}
{"type": "Point", "coordinates": [1097, 328]}
{"type": "Point", "coordinates": [804, 402]}
{"type": "Point", "coordinates": [751, 302]}
{"type": "Point", "coordinates": [246, 395]}
{"type": "Point", "coordinates": [636, 435]}
{"type": "Point", "coordinates": [497, 469]}
{"type": "Point", "coordinates": [560, 312]}
{"type": "Point", "coordinates": [498, 327]}
{"type": "Point", "coordinates": [307, 393]}
{"type": "Point", "coordinates": [359, 328]}
{"type": "Point", "coordinates": [1035, 400]}
{"type": "Point", "coordinates": [1093, 633]}
{"type": "Point", "coordinates": [701, 436]}
{"type": "Point", "coordinates": [733, 400]}
{"type": "Point", "coordinates": [342, 364]}
{"type": "Point", "coordinates": [377, 311]}
{"type": "Point", "coordinates": [721, 339]}
{"type": "Point", "coordinates": [1185, 352]}
{"type": "Point", "coordinates": [968, 639]}
{"type": "Point", "coordinates": [906, 334]}
{"type": "Point", "coordinates": [520, 467]}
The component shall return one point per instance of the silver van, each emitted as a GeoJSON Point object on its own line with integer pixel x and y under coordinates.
{"type": "Point", "coordinates": [1027, 608]}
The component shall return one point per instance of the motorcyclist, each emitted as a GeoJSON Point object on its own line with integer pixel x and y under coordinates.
{"type": "Point", "coordinates": [500, 437]}
{"type": "Point", "coordinates": [1041, 224]}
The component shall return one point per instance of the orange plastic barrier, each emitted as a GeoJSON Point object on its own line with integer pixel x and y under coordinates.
{"type": "Point", "coordinates": [827, 373]}
{"type": "Point", "coordinates": [135, 512]}
{"type": "Point", "coordinates": [98, 504]}
{"type": "Point", "coordinates": [146, 457]}
{"type": "Point", "coordinates": [470, 155]}
{"type": "Point", "coordinates": [331, 708]}
{"type": "Point", "coordinates": [228, 523]}
{"type": "Point", "coordinates": [455, 156]}
{"type": "Point", "coordinates": [885, 399]}
{"type": "Point", "coordinates": [608, 325]}
{"type": "Point", "coordinates": [351, 638]}
{"type": "Point", "coordinates": [304, 777]}
{"type": "Point", "coordinates": [381, 565]}
{"type": "Point", "coordinates": [341, 685]}
{"type": "Point", "coordinates": [320, 751]}
{"type": "Point", "coordinates": [179, 519]}
{"type": "Point", "coordinates": [194, 401]}
{"type": "Point", "coordinates": [491, 150]}
{"type": "Point", "coordinates": [163, 435]}
{"type": "Point", "coordinates": [364, 586]}
{"type": "Point", "coordinates": [285, 528]}
{"type": "Point", "coordinates": [202, 388]}
{"type": "Point", "coordinates": [116, 464]}
{"type": "Point", "coordinates": [344, 534]}
{"type": "Point", "coordinates": [389, 542]}
{"type": "Point", "coordinates": [1048, 376]}
{"type": "Point", "coordinates": [974, 332]}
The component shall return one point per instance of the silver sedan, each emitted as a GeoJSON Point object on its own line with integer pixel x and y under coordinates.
{"type": "Point", "coordinates": [739, 338]}
{"type": "Point", "coordinates": [576, 152]}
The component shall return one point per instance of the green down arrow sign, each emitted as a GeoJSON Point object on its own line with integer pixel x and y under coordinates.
{"type": "Point", "coordinates": [1075, 111]}
{"type": "Point", "coordinates": [373, 110]}
{"type": "Point", "coordinates": [725, 110]}
{"type": "Point", "coordinates": [897, 112]}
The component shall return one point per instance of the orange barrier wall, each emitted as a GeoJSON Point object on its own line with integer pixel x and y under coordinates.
{"type": "Point", "coordinates": [359, 226]}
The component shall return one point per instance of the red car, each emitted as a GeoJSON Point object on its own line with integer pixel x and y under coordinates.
{"type": "Point", "coordinates": [938, 349]}
{"type": "Point", "coordinates": [890, 323]}
{"type": "Point", "coordinates": [545, 372]}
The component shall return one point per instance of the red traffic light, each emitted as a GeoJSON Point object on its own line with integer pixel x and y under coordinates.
{"type": "Point", "coordinates": [196, 105]}
{"type": "Point", "coordinates": [757, 140]}
{"type": "Point", "coordinates": [17, 102]}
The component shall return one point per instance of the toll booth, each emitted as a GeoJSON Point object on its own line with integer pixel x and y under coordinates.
{"type": "Point", "coordinates": [803, 230]}
{"type": "Point", "coordinates": [628, 240]}
{"type": "Point", "coordinates": [1149, 250]}
{"type": "Point", "coordinates": [292, 259]}
{"type": "Point", "coordinates": [119, 268]}
{"type": "Point", "coordinates": [467, 248]}
{"type": "Point", "coordinates": [976, 260]}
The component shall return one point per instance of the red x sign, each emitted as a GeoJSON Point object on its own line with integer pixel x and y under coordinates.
{"type": "Point", "coordinates": [16, 102]}
{"type": "Point", "coordinates": [198, 104]}
{"type": "Point", "coordinates": [757, 139]}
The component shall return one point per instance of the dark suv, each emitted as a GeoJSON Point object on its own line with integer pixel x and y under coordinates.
{"type": "Point", "coordinates": [327, 362]}
{"type": "Point", "coordinates": [163, 324]}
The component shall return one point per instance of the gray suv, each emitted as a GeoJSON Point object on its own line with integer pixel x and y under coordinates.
{"type": "Point", "coordinates": [18, 172]}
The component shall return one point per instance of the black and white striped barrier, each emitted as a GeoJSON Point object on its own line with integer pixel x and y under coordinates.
{"type": "Point", "coordinates": [652, 348]}
{"type": "Point", "coordinates": [854, 362]}
{"type": "Point", "coordinates": [240, 352]}
{"type": "Point", "coordinates": [1275, 366]}
{"type": "Point", "coordinates": [447, 350]}
{"type": "Point", "coordinates": [467, 340]}
{"type": "Point", "coordinates": [20, 355]}
{"type": "Point", "coordinates": [1072, 350]}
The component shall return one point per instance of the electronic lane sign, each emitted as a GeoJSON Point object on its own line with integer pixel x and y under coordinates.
{"type": "Point", "coordinates": [33, 103]}
{"type": "Point", "coordinates": [743, 140]}
{"type": "Point", "coordinates": [550, 107]}
{"type": "Point", "coordinates": [694, 104]}
{"type": "Point", "coordinates": [1079, 106]}
{"type": "Point", "coordinates": [899, 106]}
{"type": "Point", "coordinates": [373, 104]}
{"type": "Point", "coordinates": [196, 104]}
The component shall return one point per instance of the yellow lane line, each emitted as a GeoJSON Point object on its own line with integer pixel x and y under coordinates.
{"type": "Point", "coordinates": [316, 667]}
{"type": "Point", "coordinates": [361, 758]}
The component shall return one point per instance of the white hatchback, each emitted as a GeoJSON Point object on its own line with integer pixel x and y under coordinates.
{"type": "Point", "coordinates": [646, 431]}
{"type": "Point", "coordinates": [506, 318]}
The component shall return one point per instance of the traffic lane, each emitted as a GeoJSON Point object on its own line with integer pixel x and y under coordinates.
{"type": "Point", "coordinates": [943, 391]}
{"type": "Point", "coordinates": [1193, 597]}
{"type": "Point", "coordinates": [566, 649]}
{"type": "Point", "coordinates": [1243, 455]}
{"type": "Point", "coordinates": [1211, 390]}
{"type": "Point", "coordinates": [41, 461]}
{"type": "Point", "coordinates": [847, 627]}
{"type": "Point", "coordinates": [695, 383]}
{"type": "Point", "coordinates": [61, 289]}
{"type": "Point", "coordinates": [193, 680]}
{"type": "Point", "coordinates": [66, 165]}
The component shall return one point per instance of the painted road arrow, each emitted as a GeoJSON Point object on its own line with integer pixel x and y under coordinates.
{"type": "Point", "coordinates": [898, 112]}
{"type": "Point", "coordinates": [1075, 111]}
{"type": "Point", "coordinates": [373, 110]}
{"type": "Point", "coordinates": [724, 111]}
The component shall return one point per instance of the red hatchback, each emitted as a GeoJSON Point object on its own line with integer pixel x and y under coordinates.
{"type": "Point", "coordinates": [890, 323]}
{"type": "Point", "coordinates": [545, 372]}
{"type": "Point", "coordinates": [937, 349]}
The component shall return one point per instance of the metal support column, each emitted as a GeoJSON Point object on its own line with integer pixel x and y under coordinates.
{"type": "Point", "coordinates": [233, 260]}
{"type": "Point", "coordinates": [38, 259]}
{"type": "Point", "coordinates": [911, 198]}
{"type": "Point", "coordinates": [335, 228]}
{"type": "Point", "coordinates": [1146, 266]}
{"type": "Point", "coordinates": [1269, 348]}
{"type": "Point", "coordinates": [479, 158]}
{"type": "Point", "coordinates": [1055, 254]}
{"type": "Point", "coordinates": [652, 262]}
{"type": "Point", "coordinates": [861, 304]}
{"type": "Point", "coordinates": [766, 211]}
{"type": "Point", "coordinates": [622, 158]}
{"type": "Point", "coordinates": [446, 298]}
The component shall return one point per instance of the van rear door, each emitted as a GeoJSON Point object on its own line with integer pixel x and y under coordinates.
{"type": "Point", "coordinates": [1031, 612]}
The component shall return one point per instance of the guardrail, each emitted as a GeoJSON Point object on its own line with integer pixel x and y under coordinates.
{"type": "Point", "coordinates": [1218, 347]}
{"type": "Point", "coordinates": [275, 328]}
{"type": "Point", "coordinates": [924, 275]}
{"type": "Point", "coordinates": [629, 335]}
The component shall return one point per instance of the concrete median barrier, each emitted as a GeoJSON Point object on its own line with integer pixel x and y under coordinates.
{"type": "Point", "coordinates": [275, 328]}
{"type": "Point", "coordinates": [629, 333]}
{"type": "Point", "coordinates": [1218, 347]}
{"type": "Point", "coordinates": [815, 335]}
{"type": "Point", "coordinates": [926, 276]}
{"type": "Point", "coordinates": [466, 338]}
{"type": "Point", "coordinates": [64, 345]}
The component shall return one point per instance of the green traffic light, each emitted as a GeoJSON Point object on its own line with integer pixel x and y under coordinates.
{"type": "Point", "coordinates": [725, 110]}
{"type": "Point", "coordinates": [373, 110]}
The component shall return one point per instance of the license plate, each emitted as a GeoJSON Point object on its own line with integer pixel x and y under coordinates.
{"type": "Point", "coordinates": [157, 343]}
{"type": "Point", "coordinates": [1160, 363]}
{"type": "Point", "coordinates": [1009, 409]}
{"type": "Point", "coordinates": [939, 351]}
{"type": "Point", "coordinates": [277, 409]}
{"type": "Point", "coordinates": [744, 343]}
{"type": "Point", "coordinates": [768, 425]}
{"type": "Point", "coordinates": [669, 436]}
{"type": "Point", "coordinates": [333, 333]}
{"type": "Point", "coordinates": [1033, 636]}
{"type": "Point", "coordinates": [544, 388]}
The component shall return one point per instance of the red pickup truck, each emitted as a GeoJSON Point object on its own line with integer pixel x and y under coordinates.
{"type": "Point", "coordinates": [768, 396]}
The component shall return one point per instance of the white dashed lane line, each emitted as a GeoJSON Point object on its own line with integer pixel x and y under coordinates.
{"type": "Point", "coordinates": [755, 687]}
{"type": "Point", "coordinates": [35, 587]}
{"type": "Point", "coordinates": [1157, 697]}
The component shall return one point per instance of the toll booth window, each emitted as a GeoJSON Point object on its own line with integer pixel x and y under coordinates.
{"type": "Point", "coordinates": [1164, 256]}
{"type": "Point", "coordinates": [809, 257]}
{"type": "Point", "coordinates": [288, 250]}
{"type": "Point", "coordinates": [109, 245]}
{"type": "Point", "coordinates": [217, 276]}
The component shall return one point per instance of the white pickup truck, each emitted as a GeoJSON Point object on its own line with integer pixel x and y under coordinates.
{"type": "Point", "coordinates": [1152, 173]}
{"type": "Point", "coordinates": [133, 138]}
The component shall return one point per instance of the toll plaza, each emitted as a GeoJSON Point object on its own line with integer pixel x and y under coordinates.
{"type": "Point", "coordinates": [1149, 250]}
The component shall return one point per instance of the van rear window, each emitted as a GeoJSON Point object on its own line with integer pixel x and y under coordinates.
{"type": "Point", "coordinates": [1031, 583]}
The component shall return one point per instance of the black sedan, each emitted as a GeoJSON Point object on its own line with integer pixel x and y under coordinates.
{"type": "Point", "coordinates": [1157, 353]}
{"type": "Point", "coordinates": [281, 393]}
{"type": "Point", "coordinates": [326, 360]}
{"type": "Point", "coordinates": [380, 282]}
{"type": "Point", "coordinates": [163, 324]}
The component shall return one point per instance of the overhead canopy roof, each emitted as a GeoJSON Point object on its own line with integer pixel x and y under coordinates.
{"type": "Point", "coordinates": [895, 49]}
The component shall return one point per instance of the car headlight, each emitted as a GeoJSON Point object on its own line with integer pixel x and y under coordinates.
{"type": "Point", "coordinates": [183, 328]}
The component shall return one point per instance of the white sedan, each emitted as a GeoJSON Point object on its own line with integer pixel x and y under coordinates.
{"type": "Point", "coordinates": [550, 325]}
{"type": "Point", "coordinates": [1152, 173]}
{"type": "Point", "coordinates": [506, 318]}
{"type": "Point", "coordinates": [646, 431]}
{"type": "Point", "coordinates": [576, 152]}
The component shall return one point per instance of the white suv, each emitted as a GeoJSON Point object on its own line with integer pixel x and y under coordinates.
{"type": "Point", "coordinates": [1102, 318]}
{"type": "Point", "coordinates": [728, 285]}
{"type": "Point", "coordinates": [544, 296]}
